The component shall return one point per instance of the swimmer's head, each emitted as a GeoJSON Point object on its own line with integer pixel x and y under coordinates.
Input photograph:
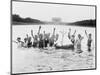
{"type": "Point", "coordinates": [79, 36]}
{"type": "Point", "coordinates": [18, 39]}
{"type": "Point", "coordinates": [25, 39]}
{"type": "Point", "coordinates": [41, 36]}
{"type": "Point", "coordinates": [90, 35]}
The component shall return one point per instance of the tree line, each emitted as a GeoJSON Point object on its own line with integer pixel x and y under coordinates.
{"type": "Point", "coordinates": [16, 19]}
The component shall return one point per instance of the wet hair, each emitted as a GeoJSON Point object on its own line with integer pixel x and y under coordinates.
{"type": "Point", "coordinates": [18, 38]}
{"type": "Point", "coordinates": [25, 39]}
{"type": "Point", "coordinates": [90, 34]}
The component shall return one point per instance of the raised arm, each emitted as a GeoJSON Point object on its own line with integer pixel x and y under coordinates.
{"type": "Point", "coordinates": [32, 33]}
{"type": "Point", "coordinates": [39, 30]}
{"type": "Point", "coordinates": [69, 34]}
{"type": "Point", "coordinates": [54, 31]}
{"type": "Point", "coordinates": [74, 32]}
{"type": "Point", "coordinates": [86, 33]}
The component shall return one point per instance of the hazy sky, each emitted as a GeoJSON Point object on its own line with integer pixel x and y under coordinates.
{"type": "Point", "coordinates": [45, 12]}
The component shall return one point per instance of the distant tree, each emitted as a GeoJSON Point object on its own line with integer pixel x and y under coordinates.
{"type": "Point", "coordinates": [16, 18]}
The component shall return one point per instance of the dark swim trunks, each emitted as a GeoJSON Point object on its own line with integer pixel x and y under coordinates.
{"type": "Point", "coordinates": [41, 44]}
{"type": "Point", "coordinates": [29, 44]}
{"type": "Point", "coordinates": [46, 43]}
{"type": "Point", "coordinates": [51, 44]}
{"type": "Point", "coordinates": [89, 43]}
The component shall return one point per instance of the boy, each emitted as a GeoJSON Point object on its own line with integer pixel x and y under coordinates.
{"type": "Point", "coordinates": [35, 39]}
{"type": "Point", "coordinates": [89, 41]}
{"type": "Point", "coordinates": [72, 37]}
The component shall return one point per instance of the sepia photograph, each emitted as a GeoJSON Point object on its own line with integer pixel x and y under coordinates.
{"type": "Point", "coordinates": [52, 37]}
